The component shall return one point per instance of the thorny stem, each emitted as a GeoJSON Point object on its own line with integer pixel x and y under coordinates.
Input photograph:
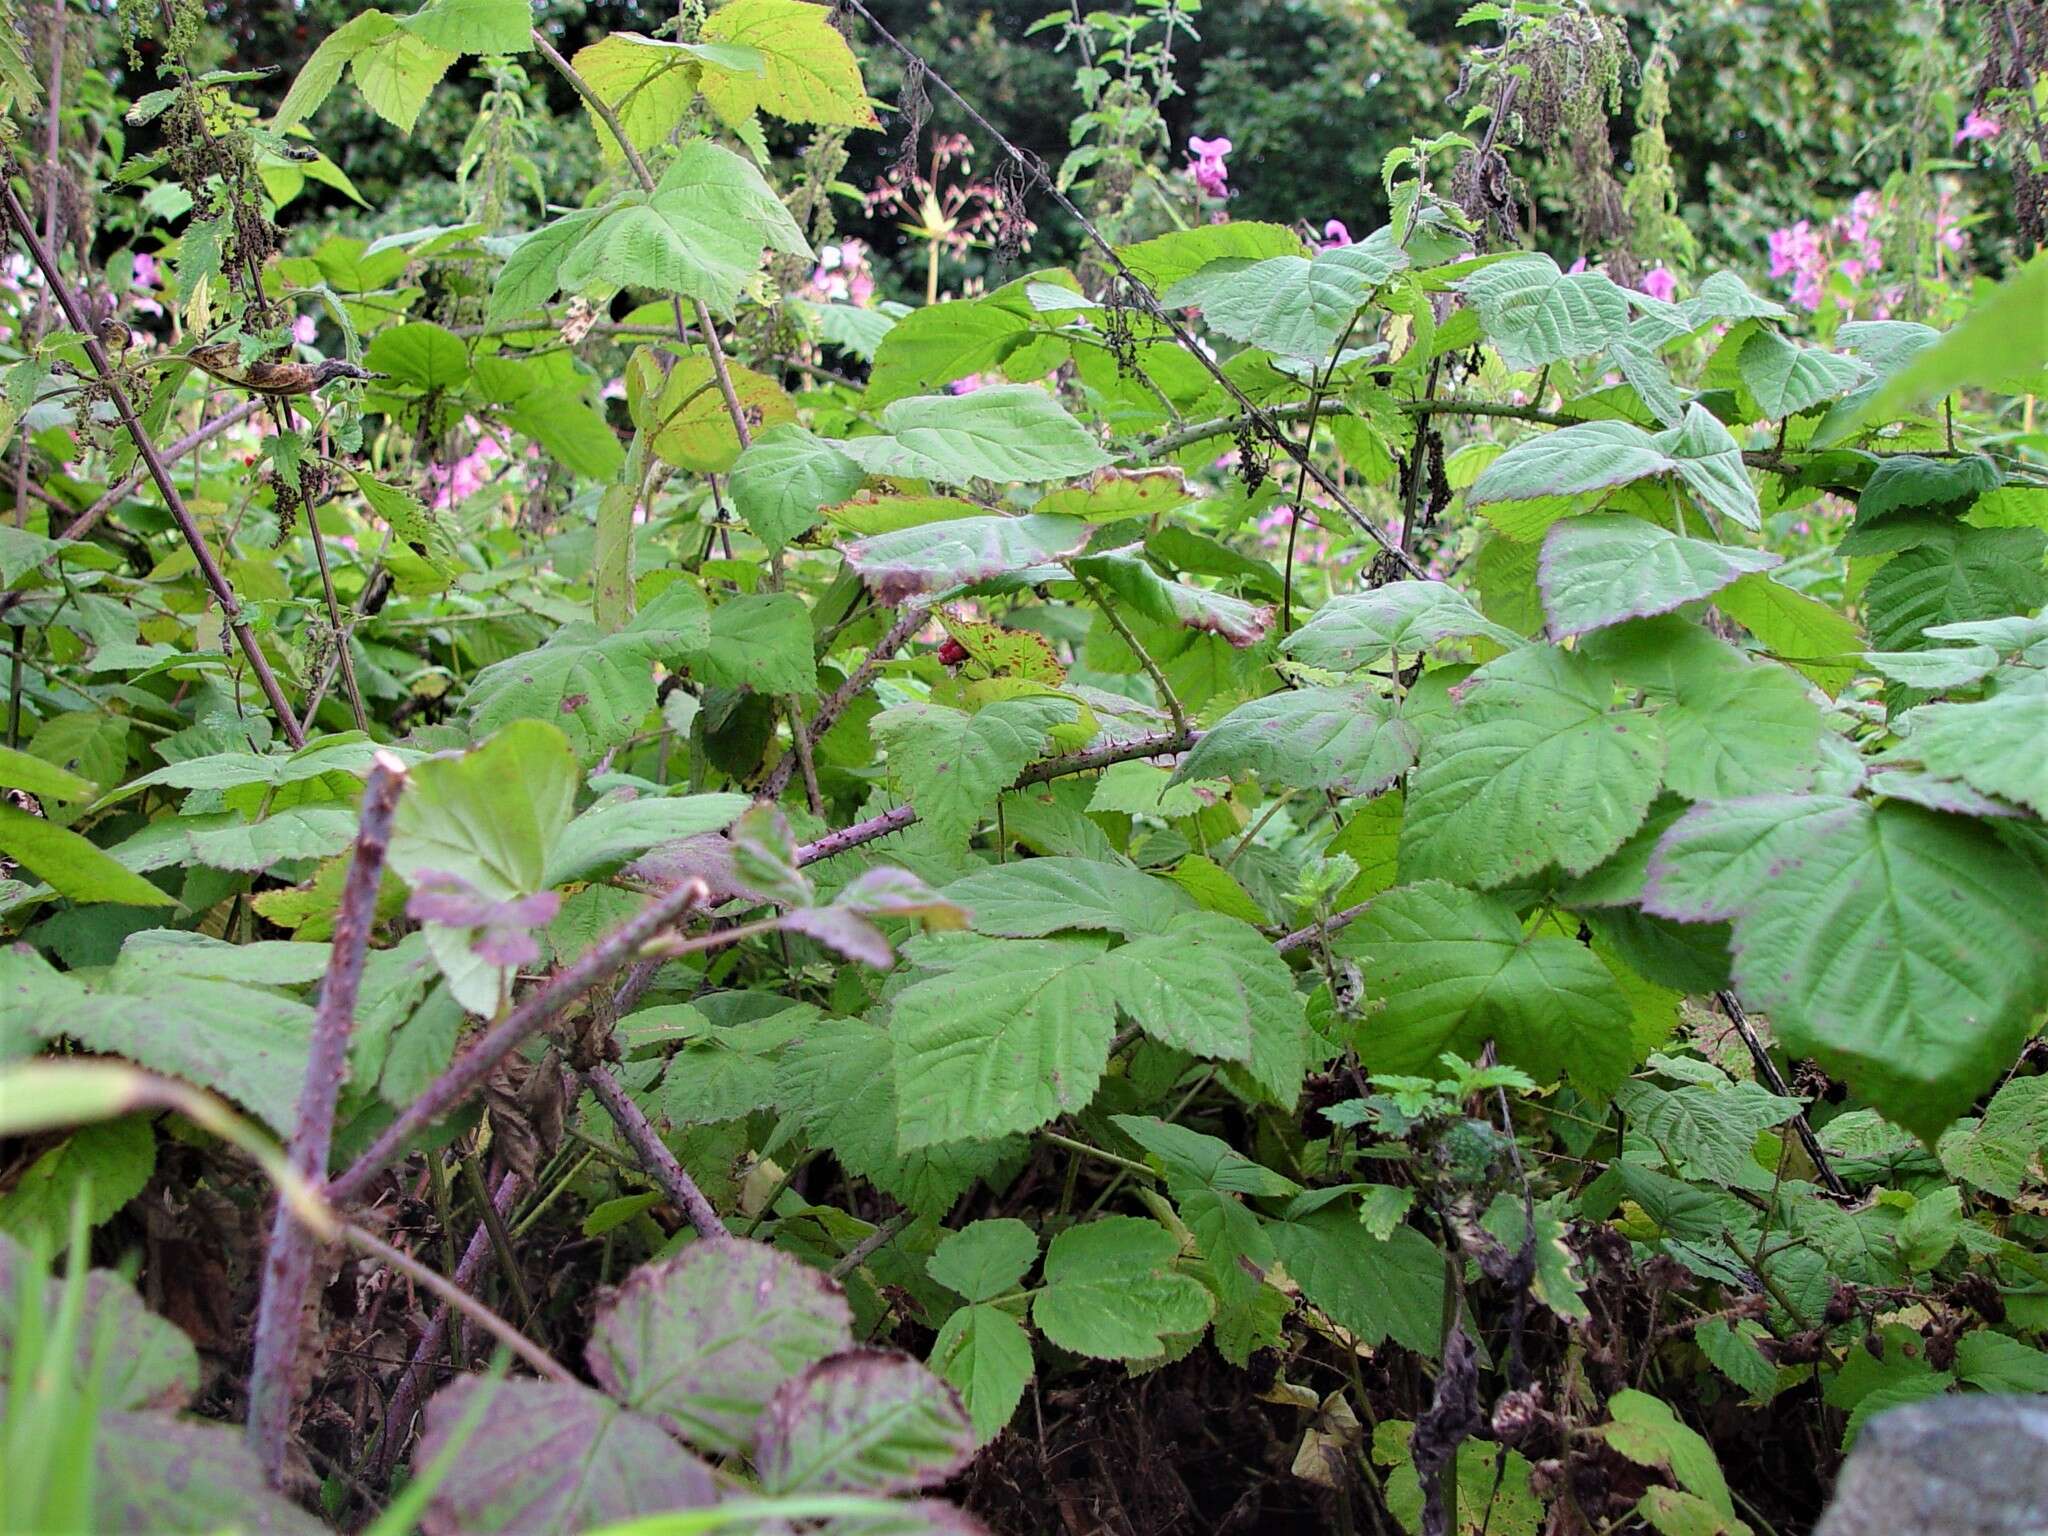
{"type": "Point", "coordinates": [1163, 744]}
{"type": "Point", "coordinates": [210, 569]}
{"type": "Point", "coordinates": [1036, 175]}
{"type": "Point", "coordinates": [1801, 1126]}
{"type": "Point", "coordinates": [872, 1244]}
{"type": "Point", "coordinates": [461, 1301]}
{"type": "Point", "coordinates": [467, 1073]}
{"type": "Point", "coordinates": [1123, 630]}
{"type": "Point", "coordinates": [288, 1271]}
{"type": "Point", "coordinates": [660, 1163]}
{"type": "Point", "coordinates": [411, 1383]}
{"type": "Point", "coordinates": [908, 623]}
{"type": "Point", "coordinates": [1313, 931]}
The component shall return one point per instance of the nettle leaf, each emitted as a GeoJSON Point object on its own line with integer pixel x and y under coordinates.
{"type": "Point", "coordinates": [2001, 1152]}
{"type": "Point", "coordinates": [1453, 968]}
{"type": "Point", "coordinates": [1006, 432]}
{"type": "Point", "coordinates": [700, 233]}
{"type": "Point", "coordinates": [701, 1341]}
{"type": "Point", "coordinates": [1005, 1043]}
{"type": "Point", "coordinates": [952, 765]}
{"type": "Point", "coordinates": [474, 26]}
{"type": "Point", "coordinates": [1891, 943]}
{"type": "Point", "coordinates": [648, 83]}
{"type": "Point", "coordinates": [1356, 631]}
{"type": "Point", "coordinates": [1606, 567]}
{"type": "Point", "coordinates": [1998, 745]}
{"type": "Point", "coordinates": [1030, 898]}
{"type": "Point", "coordinates": [1533, 768]}
{"type": "Point", "coordinates": [785, 478]}
{"type": "Point", "coordinates": [1787, 378]}
{"type": "Point", "coordinates": [869, 1421]}
{"type": "Point", "coordinates": [1534, 313]}
{"type": "Point", "coordinates": [1352, 741]}
{"type": "Point", "coordinates": [551, 1459]}
{"type": "Point", "coordinates": [1110, 1291]}
{"type": "Point", "coordinates": [963, 551]}
{"type": "Point", "coordinates": [394, 66]}
{"type": "Point", "coordinates": [808, 73]}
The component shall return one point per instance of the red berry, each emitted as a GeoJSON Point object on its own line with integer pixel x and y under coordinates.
{"type": "Point", "coordinates": [952, 653]}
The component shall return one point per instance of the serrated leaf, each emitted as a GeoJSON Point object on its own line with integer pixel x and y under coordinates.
{"type": "Point", "coordinates": [985, 1258]}
{"type": "Point", "coordinates": [1801, 631]}
{"type": "Point", "coordinates": [784, 480]}
{"type": "Point", "coordinates": [808, 73]}
{"type": "Point", "coordinates": [1352, 741]}
{"type": "Point", "coordinates": [1787, 378]}
{"type": "Point", "coordinates": [2003, 1150]}
{"type": "Point", "coordinates": [491, 816]}
{"type": "Point", "coordinates": [701, 1341]}
{"type": "Point", "coordinates": [1886, 941]}
{"type": "Point", "coordinates": [72, 865]}
{"type": "Point", "coordinates": [935, 557]}
{"type": "Point", "coordinates": [1998, 745]}
{"type": "Point", "coordinates": [761, 642]}
{"type": "Point", "coordinates": [551, 1459]}
{"type": "Point", "coordinates": [1015, 433]}
{"type": "Point", "coordinates": [1030, 898]}
{"type": "Point", "coordinates": [128, 1355]}
{"type": "Point", "coordinates": [1988, 574]}
{"type": "Point", "coordinates": [1603, 568]}
{"type": "Point", "coordinates": [1363, 630]}
{"type": "Point", "coordinates": [1205, 986]}
{"type": "Point", "coordinates": [952, 765]}
{"type": "Point", "coordinates": [869, 1420]}
{"type": "Point", "coordinates": [1110, 1292]}
{"type": "Point", "coordinates": [986, 1355]}
{"type": "Point", "coordinates": [1533, 768]}
{"type": "Point", "coordinates": [1453, 968]}
{"type": "Point", "coordinates": [1375, 1290]}
{"type": "Point", "coordinates": [648, 83]}
{"type": "Point", "coordinates": [474, 26]}
{"type": "Point", "coordinates": [1152, 596]}
{"type": "Point", "coordinates": [690, 425]}
{"type": "Point", "coordinates": [420, 353]}
{"type": "Point", "coordinates": [941, 343]}
{"type": "Point", "coordinates": [1535, 314]}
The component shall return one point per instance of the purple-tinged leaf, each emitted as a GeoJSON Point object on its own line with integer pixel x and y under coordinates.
{"type": "Point", "coordinates": [552, 1459]}
{"type": "Point", "coordinates": [846, 932]}
{"type": "Point", "coordinates": [889, 892]}
{"type": "Point", "coordinates": [501, 932]}
{"type": "Point", "coordinates": [936, 557]}
{"type": "Point", "coordinates": [702, 1340]}
{"type": "Point", "coordinates": [177, 1476]}
{"type": "Point", "coordinates": [867, 1421]}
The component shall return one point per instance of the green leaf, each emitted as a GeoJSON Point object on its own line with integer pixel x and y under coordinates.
{"type": "Point", "coordinates": [1992, 1362]}
{"type": "Point", "coordinates": [1110, 1291]}
{"type": "Point", "coordinates": [984, 1259]}
{"type": "Point", "coordinates": [1161, 262]}
{"type": "Point", "coordinates": [1998, 745]}
{"type": "Point", "coordinates": [412, 524]}
{"type": "Point", "coordinates": [1004, 1044]}
{"type": "Point", "coordinates": [700, 233]}
{"type": "Point", "coordinates": [115, 1158]}
{"type": "Point", "coordinates": [985, 1354]}
{"type": "Point", "coordinates": [491, 816]}
{"type": "Point", "coordinates": [952, 765]}
{"type": "Point", "coordinates": [808, 73]}
{"type": "Point", "coordinates": [322, 72]}
{"type": "Point", "coordinates": [1006, 432]}
{"type": "Point", "coordinates": [868, 1420]}
{"type": "Point", "coordinates": [1998, 341]}
{"type": "Point", "coordinates": [648, 83]}
{"type": "Point", "coordinates": [1191, 1160]}
{"type": "Point", "coordinates": [762, 643]}
{"type": "Point", "coordinates": [551, 1457]}
{"type": "Point", "coordinates": [1989, 574]}
{"type": "Point", "coordinates": [71, 865]}
{"type": "Point", "coordinates": [1571, 461]}
{"type": "Point", "coordinates": [421, 354]}
{"type": "Point", "coordinates": [1375, 1290]}
{"type": "Point", "coordinates": [1353, 632]}
{"type": "Point", "coordinates": [1532, 769]}
{"type": "Point", "coordinates": [1909, 482]}
{"type": "Point", "coordinates": [1606, 567]}
{"type": "Point", "coordinates": [157, 1472]}
{"type": "Point", "coordinates": [1888, 942]}
{"type": "Point", "coordinates": [690, 424]}
{"type": "Point", "coordinates": [2001, 1151]}
{"type": "Point", "coordinates": [1454, 968]}
{"type": "Point", "coordinates": [1285, 304]}
{"type": "Point", "coordinates": [940, 343]}
{"type": "Point", "coordinates": [1208, 985]}
{"type": "Point", "coordinates": [529, 277]}
{"type": "Point", "coordinates": [474, 26]}
{"type": "Point", "coordinates": [1535, 314]}
{"type": "Point", "coordinates": [783, 480]}
{"type": "Point", "coordinates": [397, 71]}
{"type": "Point", "coordinates": [1787, 378]}
{"type": "Point", "coordinates": [961, 551]}
{"type": "Point", "coordinates": [130, 1357]}
{"type": "Point", "coordinates": [607, 835]}
{"type": "Point", "coordinates": [701, 1341]}
{"type": "Point", "coordinates": [1030, 898]}
{"type": "Point", "coordinates": [1647, 1432]}
{"type": "Point", "coordinates": [1708, 1133]}
{"type": "Point", "coordinates": [1803, 632]}
{"type": "Point", "coordinates": [43, 779]}
{"type": "Point", "coordinates": [1351, 741]}
{"type": "Point", "coordinates": [1177, 603]}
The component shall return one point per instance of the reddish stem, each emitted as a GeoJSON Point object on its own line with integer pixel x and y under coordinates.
{"type": "Point", "coordinates": [654, 1155]}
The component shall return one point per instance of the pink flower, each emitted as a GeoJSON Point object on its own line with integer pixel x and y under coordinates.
{"type": "Point", "coordinates": [1660, 283]}
{"type": "Point", "coordinates": [304, 329]}
{"type": "Point", "coordinates": [1335, 234]}
{"type": "Point", "coordinates": [1207, 167]}
{"type": "Point", "coordinates": [968, 385]}
{"type": "Point", "coordinates": [1978, 126]}
{"type": "Point", "coordinates": [144, 277]}
{"type": "Point", "coordinates": [1577, 266]}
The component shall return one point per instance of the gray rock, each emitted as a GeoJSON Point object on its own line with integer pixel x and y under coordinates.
{"type": "Point", "coordinates": [1973, 1465]}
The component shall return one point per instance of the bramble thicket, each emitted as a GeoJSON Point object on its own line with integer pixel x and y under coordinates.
{"type": "Point", "coordinates": [869, 768]}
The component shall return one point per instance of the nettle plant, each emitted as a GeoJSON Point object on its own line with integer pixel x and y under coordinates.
{"type": "Point", "coordinates": [1243, 806]}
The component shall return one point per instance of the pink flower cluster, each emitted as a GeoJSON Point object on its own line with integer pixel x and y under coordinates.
{"type": "Point", "coordinates": [455, 483]}
{"type": "Point", "coordinates": [1205, 164]}
{"type": "Point", "coordinates": [1976, 126]}
{"type": "Point", "coordinates": [1852, 243]}
{"type": "Point", "coordinates": [843, 275]}
{"type": "Point", "coordinates": [1659, 283]}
